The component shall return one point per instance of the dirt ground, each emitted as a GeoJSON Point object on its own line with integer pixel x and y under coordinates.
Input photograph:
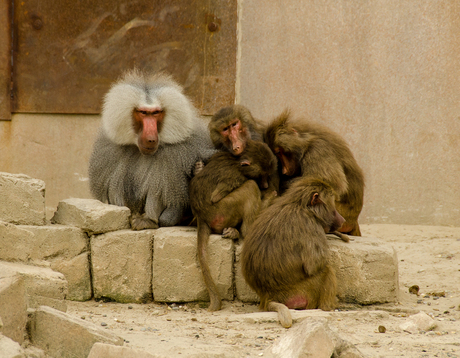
{"type": "Point", "coordinates": [428, 257]}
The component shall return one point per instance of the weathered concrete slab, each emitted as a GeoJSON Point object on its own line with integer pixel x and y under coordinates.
{"type": "Point", "coordinates": [92, 215]}
{"type": "Point", "coordinates": [177, 275]}
{"type": "Point", "coordinates": [39, 245]}
{"type": "Point", "coordinates": [43, 285]}
{"type": "Point", "coordinates": [22, 199]}
{"type": "Point", "coordinates": [122, 265]}
{"type": "Point", "coordinates": [13, 305]}
{"type": "Point", "coordinates": [103, 350]}
{"type": "Point", "coordinates": [77, 274]}
{"type": "Point", "coordinates": [61, 335]}
{"type": "Point", "coordinates": [366, 269]}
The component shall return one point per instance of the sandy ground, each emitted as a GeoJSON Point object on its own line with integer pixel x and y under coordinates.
{"type": "Point", "coordinates": [428, 257]}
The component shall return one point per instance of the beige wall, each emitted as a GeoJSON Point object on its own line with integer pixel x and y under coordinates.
{"type": "Point", "coordinates": [385, 74]}
{"type": "Point", "coordinates": [53, 148]}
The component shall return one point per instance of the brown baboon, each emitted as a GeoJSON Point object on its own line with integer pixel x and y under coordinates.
{"type": "Point", "coordinates": [231, 127]}
{"type": "Point", "coordinates": [223, 197]}
{"type": "Point", "coordinates": [308, 149]}
{"type": "Point", "coordinates": [285, 252]}
{"type": "Point", "coordinates": [149, 141]}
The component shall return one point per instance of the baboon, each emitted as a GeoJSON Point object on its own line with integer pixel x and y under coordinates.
{"type": "Point", "coordinates": [231, 127]}
{"type": "Point", "coordinates": [149, 141]}
{"type": "Point", "coordinates": [308, 149]}
{"type": "Point", "coordinates": [226, 194]}
{"type": "Point", "coordinates": [285, 252]}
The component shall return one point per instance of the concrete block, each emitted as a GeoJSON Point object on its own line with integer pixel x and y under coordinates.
{"type": "Point", "coordinates": [13, 305]}
{"type": "Point", "coordinates": [92, 215]}
{"type": "Point", "coordinates": [10, 348]}
{"type": "Point", "coordinates": [122, 265]}
{"type": "Point", "coordinates": [39, 245]}
{"type": "Point", "coordinates": [43, 285]}
{"type": "Point", "coordinates": [103, 350]}
{"type": "Point", "coordinates": [243, 291]}
{"type": "Point", "coordinates": [77, 274]}
{"type": "Point", "coordinates": [366, 269]}
{"type": "Point", "coordinates": [61, 335]}
{"type": "Point", "coordinates": [310, 338]}
{"type": "Point", "coordinates": [14, 242]}
{"type": "Point", "coordinates": [22, 199]}
{"type": "Point", "coordinates": [177, 275]}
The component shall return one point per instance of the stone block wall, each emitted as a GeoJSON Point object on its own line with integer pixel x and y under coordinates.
{"type": "Point", "coordinates": [88, 251]}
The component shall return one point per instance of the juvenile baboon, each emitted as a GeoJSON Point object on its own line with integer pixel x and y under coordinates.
{"type": "Point", "coordinates": [231, 127]}
{"type": "Point", "coordinates": [285, 252]}
{"type": "Point", "coordinates": [223, 197]}
{"type": "Point", "coordinates": [149, 141]}
{"type": "Point", "coordinates": [308, 149]}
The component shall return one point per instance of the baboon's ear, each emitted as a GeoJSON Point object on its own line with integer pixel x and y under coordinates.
{"type": "Point", "coordinates": [315, 200]}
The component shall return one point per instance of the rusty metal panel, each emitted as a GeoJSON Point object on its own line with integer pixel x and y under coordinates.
{"type": "Point", "coordinates": [68, 52]}
{"type": "Point", "coordinates": [5, 59]}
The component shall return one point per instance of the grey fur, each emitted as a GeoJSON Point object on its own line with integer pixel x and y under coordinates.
{"type": "Point", "coordinates": [157, 184]}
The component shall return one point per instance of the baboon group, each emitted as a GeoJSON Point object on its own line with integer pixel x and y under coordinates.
{"type": "Point", "coordinates": [278, 185]}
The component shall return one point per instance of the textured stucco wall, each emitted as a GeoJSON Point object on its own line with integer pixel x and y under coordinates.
{"type": "Point", "coordinates": [384, 74]}
{"type": "Point", "coordinates": [53, 148]}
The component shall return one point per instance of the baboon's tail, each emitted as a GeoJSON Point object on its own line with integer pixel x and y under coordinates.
{"type": "Point", "coordinates": [283, 313]}
{"type": "Point", "coordinates": [204, 231]}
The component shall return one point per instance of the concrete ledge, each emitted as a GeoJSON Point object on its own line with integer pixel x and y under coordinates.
{"type": "Point", "coordinates": [22, 199]}
{"type": "Point", "coordinates": [38, 245]}
{"type": "Point", "coordinates": [177, 274]}
{"type": "Point", "coordinates": [122, 265]}
{"type": "Point", "coordinates": [92, 215]}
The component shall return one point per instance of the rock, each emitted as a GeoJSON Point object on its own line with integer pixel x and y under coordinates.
{"type": "Point", "coordinates": [92, 215]}
{"type": "Point", "coordinates": [309, 338]}
{"type": "Point", "coordinates": [22, 199]}
{"type": "Point", "coordinates": [122, 265]}
{"type": "Point", "coordinates": [177, 274]}
{"type": "Point", "coordinates": [418, 322]}
{"type": "Point", "coordinates": [63, 336]}
{"type": "Point", "coordinates": [313, 338]}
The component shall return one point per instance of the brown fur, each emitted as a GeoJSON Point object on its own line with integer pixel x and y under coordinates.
{"type": "Point", "coordinates": [223, 197]}
{"type": "Point", "coordinates": [251, 128]}
{"type": "Point", "coordinates": [309, 149]}
{"type": "Point", "coordinates": [285, 252]}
